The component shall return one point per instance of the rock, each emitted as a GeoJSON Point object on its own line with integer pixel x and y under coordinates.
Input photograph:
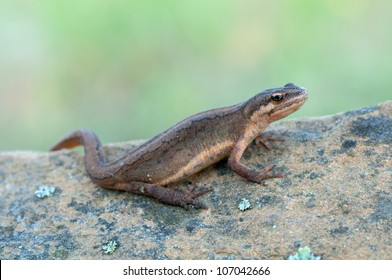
{"type": "Point", "coordinates": [335, 199]}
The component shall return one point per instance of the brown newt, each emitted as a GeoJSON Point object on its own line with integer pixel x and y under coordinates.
{"type": "Point", "coordinates": [188, 147]}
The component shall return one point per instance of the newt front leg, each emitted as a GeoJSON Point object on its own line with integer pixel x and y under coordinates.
{"type": "Point", "coordinates": [265, 137]}
{"type": "Point", "coordinates": [256, 176]}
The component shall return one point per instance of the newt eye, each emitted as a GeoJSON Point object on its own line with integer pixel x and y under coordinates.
{"type": "Point", "coordinates": [277, 97]}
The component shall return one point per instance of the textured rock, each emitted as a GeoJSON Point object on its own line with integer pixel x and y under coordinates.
{"type": "Point", "coordinates": [335, 198]}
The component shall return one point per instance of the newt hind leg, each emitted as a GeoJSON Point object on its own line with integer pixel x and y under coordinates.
{"type": "Point", "coordinates": [165, 195]}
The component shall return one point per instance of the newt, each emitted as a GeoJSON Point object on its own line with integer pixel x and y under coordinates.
{"type": "Point", "coordinates": [189, 147]}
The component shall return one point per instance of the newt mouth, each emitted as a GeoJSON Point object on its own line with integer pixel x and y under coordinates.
{"type": "Point", "coordinates": [294, 102]}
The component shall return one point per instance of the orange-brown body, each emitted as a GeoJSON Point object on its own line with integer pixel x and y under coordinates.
{"type": "Point", "coordinates": [188, 147]}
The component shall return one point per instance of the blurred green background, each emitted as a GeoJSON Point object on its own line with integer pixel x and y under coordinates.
{"type": "Point", "coordinates": [130, 69]}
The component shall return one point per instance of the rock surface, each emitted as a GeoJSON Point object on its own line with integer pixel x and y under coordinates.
{"type": "Point", "coordinates": [335, 198]}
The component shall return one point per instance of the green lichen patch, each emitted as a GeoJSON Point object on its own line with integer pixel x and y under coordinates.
{"type": "Point", "coordinates": [44, 191]}
{"type": "Point", "coordinates": [244, 204]}
{"type": "Point", "coordinates": [110, 247]}
{"type": "Point", "coordinates": [304, 253]}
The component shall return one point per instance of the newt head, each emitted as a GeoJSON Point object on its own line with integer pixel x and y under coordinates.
{"type": "Point", "coordinates": [274, 104]}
